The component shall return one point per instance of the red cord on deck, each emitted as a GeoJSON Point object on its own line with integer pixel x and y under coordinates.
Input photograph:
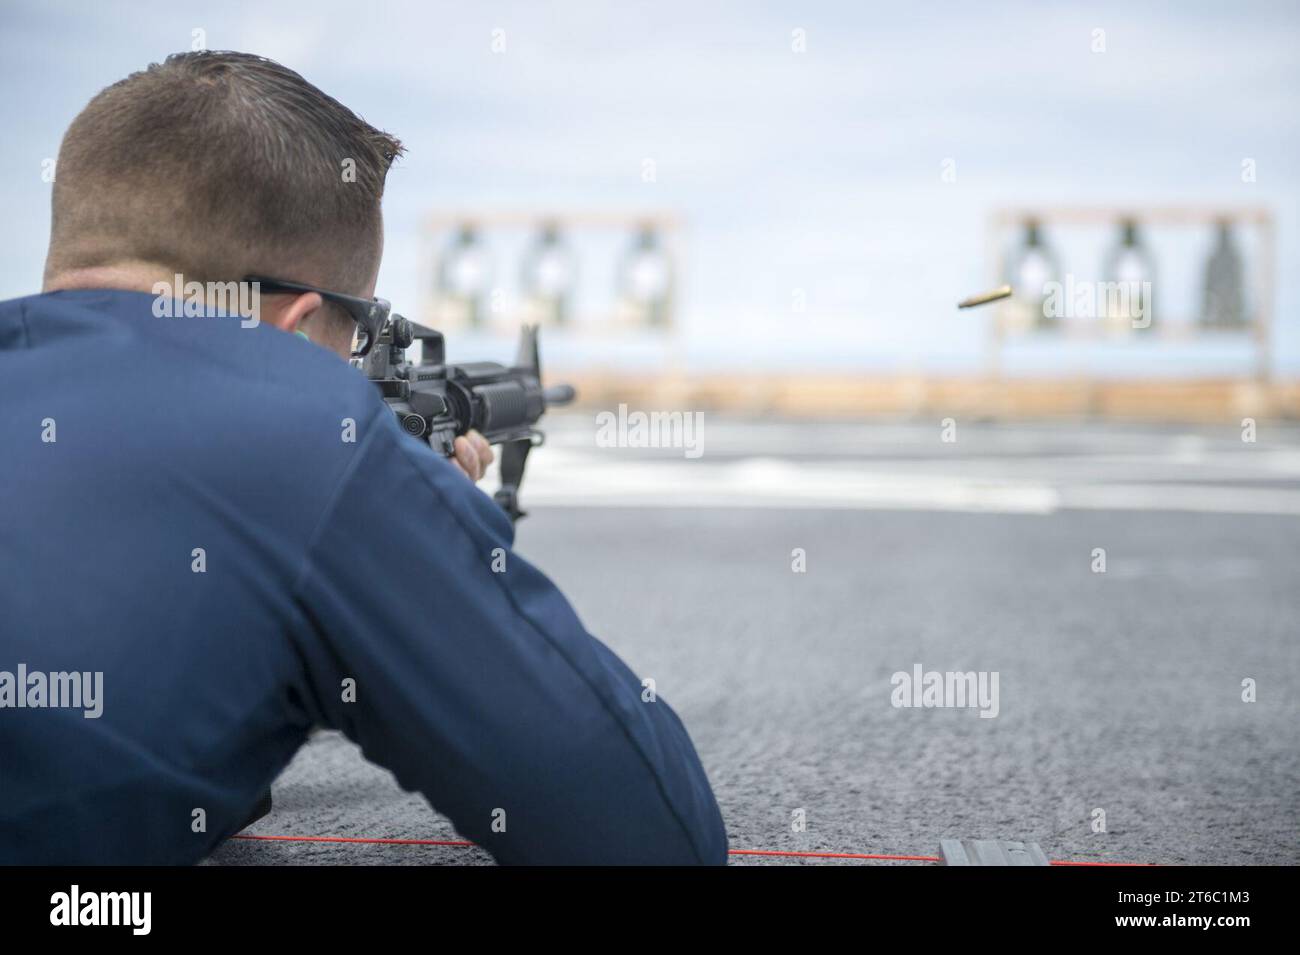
{"type": "Point", "coordinates": [734, 852]}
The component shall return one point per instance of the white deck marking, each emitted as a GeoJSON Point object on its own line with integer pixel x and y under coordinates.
{"type": "Point", "coordinates": [901, 468]}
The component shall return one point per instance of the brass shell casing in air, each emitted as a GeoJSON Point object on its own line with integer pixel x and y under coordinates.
{"type": "Point", "coordinates": [1002, 291]}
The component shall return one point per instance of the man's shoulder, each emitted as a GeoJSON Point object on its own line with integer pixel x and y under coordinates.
{"type": "Point", "coordinates": [230, 363]}
{"type": "Point", "coordinates": [207, 394]}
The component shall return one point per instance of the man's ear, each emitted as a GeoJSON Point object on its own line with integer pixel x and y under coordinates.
{"type": "Point", "coordinates": [295, 310]}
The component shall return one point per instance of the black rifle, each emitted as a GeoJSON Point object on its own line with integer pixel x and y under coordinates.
{"type": "Point", "coordinates": [437, 402]}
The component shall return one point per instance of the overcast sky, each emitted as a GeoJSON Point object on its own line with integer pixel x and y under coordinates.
{"type": "Point", "coordinates": [818, 171]}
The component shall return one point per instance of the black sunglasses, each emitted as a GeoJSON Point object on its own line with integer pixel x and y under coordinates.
{"type": "Point", "coordinates": [369, 313]}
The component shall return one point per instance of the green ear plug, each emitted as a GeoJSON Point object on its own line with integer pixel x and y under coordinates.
{"type": "Point", "coordinates": [301, 334]}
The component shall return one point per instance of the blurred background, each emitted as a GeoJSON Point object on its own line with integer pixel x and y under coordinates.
{"type": "Point", "coordinates": [686, 192]}
{"type": "Point", "coordinates": [765, 213]}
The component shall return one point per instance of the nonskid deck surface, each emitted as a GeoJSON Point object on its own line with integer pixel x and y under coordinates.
{"type": "Point", "coordinates": [1118, 691]}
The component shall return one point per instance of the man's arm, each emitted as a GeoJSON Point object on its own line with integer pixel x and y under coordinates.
{"type": "Point", "coordinates": [475, 682]}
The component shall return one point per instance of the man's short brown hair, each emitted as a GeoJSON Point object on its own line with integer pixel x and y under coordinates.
{"type": "Point", "coordinates": [220, 165]}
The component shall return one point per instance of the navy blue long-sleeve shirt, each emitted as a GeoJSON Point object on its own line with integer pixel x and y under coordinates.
{"type": "Point", "coordinates": [183, 512]}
